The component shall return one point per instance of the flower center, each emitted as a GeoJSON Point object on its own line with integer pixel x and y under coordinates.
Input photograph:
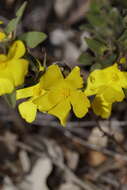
{"type": "Point", "coordinates": [65, 92]}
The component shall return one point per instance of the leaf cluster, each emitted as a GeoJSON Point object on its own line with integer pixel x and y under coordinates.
{"type": "Point", "coordinates": [106, 22]}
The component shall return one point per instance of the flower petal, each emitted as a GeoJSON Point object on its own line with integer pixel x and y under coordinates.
{"type": "Point", "coordinates": [74, 78]}
{"type": "Point", "coordinates": [101, 107]}
{"type": "Point", "coordinates": [25, 92]}
{"type": "Point", "coordinates": [112, 94]}
{"type": "Point", "coordinates": [95, 80]}
{"type": "Point", "coordinates": [17, 50]}
{"type": "Point", "coordinates": [123, 79]}
{"type": "Point", "coordinates": [32, 91]}
{"type": "Point", "coordinates": [51, 76]}
{"type": "Point", "coordinates": [6, 86]}
{"type": "Point", "coordinates": [80, 103]}
{"type": "Point", "coordinates": [28, 111]}
{"type": "Point", "coordinates": [18, 70]}
{"type": "Point", "coordinates": [3, 58]}
{"type": "Point", "coordinates": [47, 101]}
{"type": "Point", "coordinates": [61, 111]}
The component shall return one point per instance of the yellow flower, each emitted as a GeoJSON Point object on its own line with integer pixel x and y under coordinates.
{"type": "Point", "coordinates": [62, 93]}
{"type": "Point", "coordinates": [101, 107]}
{"type": "Point", "coordinates": [2, 36]}
{"type": "Point", "coordinates": [13, 68]}
{"type": "Point", "coordinates": [109, 82]}
{"type": "Point", "coordinates": [55, 95]}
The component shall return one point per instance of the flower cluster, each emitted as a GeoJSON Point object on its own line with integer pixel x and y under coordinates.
{"type": "Point", "coordinates": [52, 92]}
{"type": "Point", "coordinates": [57, 95]}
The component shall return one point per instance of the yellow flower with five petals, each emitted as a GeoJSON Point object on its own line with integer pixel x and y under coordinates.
{"type": "Point", "coordinates": [109, 82]}
{"type": "Point", "coordinates": [56, 95]}
{"type": "Point", "coordinates": [62, 93]}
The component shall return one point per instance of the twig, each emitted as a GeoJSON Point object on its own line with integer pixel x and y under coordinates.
{"type": "Point", "coordinates": [110, 136]}
{"type": "Point", "coordinates": [95, 147]}
{"type": "Point", "coordinates": [86, 185]}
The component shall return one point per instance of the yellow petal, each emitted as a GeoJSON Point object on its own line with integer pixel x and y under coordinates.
{"type": "Point", "coordinates": [61, 111]}
{"type": "Point", "coordinates": [123, 79]}
{"type": "Point", "coordinates": [3, 58]}
{"type": "Point", "coordinates": [33, 91]}
{"type": "Point", "coordinates": [6, 86]}
{"type": "Point", "coordinates": [113, 75]}
{"type": "Point", "coordinates": [52, 75]}
{"type": "Point", "coordinates": [95, 80]}
{"type": "Point", "coordinates": [110, 69]}
{"type": "Point", "coordinates": [25, 92]}
{"type": "Point", "coordinates": [47, 101]}
{"type": "Point", "coordinates": [2, 36]}
{"type": "Point", "coordinates": [80, 103]}
{"type": "Point", "coordinates": [112, 94]}
{"type": "Point", "coordinates": [101, 107]}
{"type": "Point", "coordinates": [18, 70]}
{"type": "Point", "coordinates": [17, 50]}
{"type": "Point", "coordinates": [28, 111]}
{"type": "Point", "coordinates": [74, 78]}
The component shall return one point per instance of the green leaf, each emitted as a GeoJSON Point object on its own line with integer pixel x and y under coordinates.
{"type": "Point", "coordinates": [32, 39]}
{"type": "Point", "coordinates": [96, 20]}
{"type": "Point", "coordinates": [96, 66]}
{"type": "Point", "coordinates": [21, 10]}
{"type": "Point", "coordinates": [109, 60]}
{"type": "Point", "coordinates": [95, 7]}
{"type": "Point", "coordinates": [96, 46]}
{"type": "Point", "coordinates": [123, 36]}
{"type": "Point", "coordinates": [11, 99]}
{"type": "Point", "coordinates": [13, 23]}
{"type": "Point", "coordinates": [86, 59]}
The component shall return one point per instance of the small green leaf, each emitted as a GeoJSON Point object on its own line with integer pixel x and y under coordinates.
{"type": "Point", "coordinates": [123, 36]}
{"type": "Point", "coordinates": [13, 23]}
{"type": "Point", "coordinates": [32, 39]}
{"type": "Point", "coordinates": [96, 20]}
{"type": "Point", "coordinates": [109, 60]}
{"type": "Point", "coordinates": [96, 66]}
{"type": "Point", "coordinates": [96, 46]}
{"type": "Point", "coordinates": [21, 10]}
{"type": "Point", "coordinates": [11, 99]}
{"type": "Point", "coordinates": [86, 59]}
